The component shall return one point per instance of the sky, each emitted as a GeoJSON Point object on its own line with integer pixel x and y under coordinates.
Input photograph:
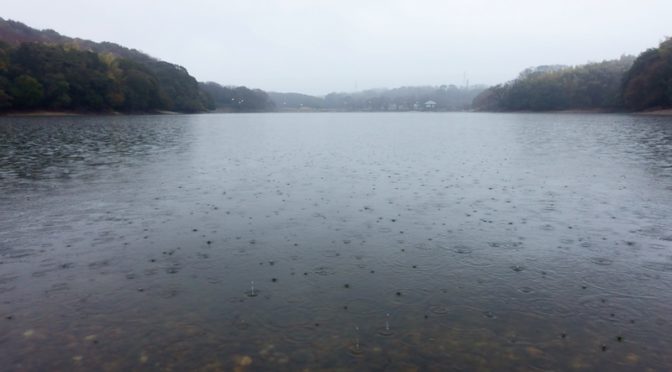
{"type": "Point", "coordinates": [321, 46]}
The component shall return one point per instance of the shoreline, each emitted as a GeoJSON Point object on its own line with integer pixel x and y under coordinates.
{"type": "Point", "coordinates": [42, 113]}
{"type": "Point", "coordinates": [664, 112]}
{"type": "Point", "coordinates": [46, 113]}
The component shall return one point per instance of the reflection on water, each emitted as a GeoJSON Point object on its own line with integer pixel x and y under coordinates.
{"type": "Point", "coordinates": [36, 149]}
{"type": "Point", "coordinates": [326, 241]}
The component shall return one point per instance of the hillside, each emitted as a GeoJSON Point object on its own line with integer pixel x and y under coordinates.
{"type": "Point", "coordinates": [648, 84]}
{"type": "Point", "coordinates": [547, 88]}
{"type": "Point", "coordinates": [42, 69]}
{"type": "Point", "coordinates": [445, 98]}
{"type": "Point", "coordinates": [626, 84]}
{"type": "Point", "coordinates": [237, 99]}
{"type": "Point", "coordinates": [296, 101]}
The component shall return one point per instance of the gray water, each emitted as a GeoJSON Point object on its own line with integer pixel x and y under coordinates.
{"type": "Point", "coordinates": [336, 241]}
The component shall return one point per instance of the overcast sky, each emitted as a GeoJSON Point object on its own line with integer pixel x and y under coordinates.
{"type": "Point", "coordinates": [319, 46]}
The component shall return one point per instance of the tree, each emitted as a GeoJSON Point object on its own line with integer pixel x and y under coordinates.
{"type": "Point", "coordinates": [75, 74]}
{"type": "Point", "coordinates": [140, 89]}
{"type": "Point", "coordinates": [27, 92]}
{"type": "Point", "coordinates": [545, 88]}
{"type": "Point", "coordinates": [5, 100]}
{"type": "Point", "coordinates": [648, 84]}
{"type": "Point", "coordinates": [56, 91]}
{"type": "Point", "coordinates": [238, 99]}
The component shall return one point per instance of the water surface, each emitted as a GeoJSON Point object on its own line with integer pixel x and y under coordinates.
{"type": "Point", "coordinates": [327, 241]}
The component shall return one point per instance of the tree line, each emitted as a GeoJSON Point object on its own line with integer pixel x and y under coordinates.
{"type": "Point", "coordinates": [445, 98]}
{"type": "Point", "coordinates": [648, 83]}
{"type": "Point", "coordinates": [57, 77]}
{"type": "Point", "coordinates": [237, 99]}
{"type": "Point", "coordinates": [36, 76]}
{"type": "Point", "coordinates": [628, 83]}
{"type": "Point", "coordinates": [43, 70]}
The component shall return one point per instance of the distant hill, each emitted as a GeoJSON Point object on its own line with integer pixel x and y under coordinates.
{"type": "Point", "coordinates": [237, 99]}
{"type": "Point", "coordinates": [42, 69]}
{"type": "Point", "coordinates": [422, 98]}
{"type": "Point", "coordinates": [627, 83]}
{"type": "Point", "coordinates": [444, 98]}
{"type": "Point", "coordinates": [296, 101]}
{"type": "Point", "coordinates": [547, 88]}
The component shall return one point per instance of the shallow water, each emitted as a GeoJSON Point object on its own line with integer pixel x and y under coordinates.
{"type": "Point", "coordinates": [283, 241]}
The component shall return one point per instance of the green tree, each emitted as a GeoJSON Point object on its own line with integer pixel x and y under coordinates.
{"type": "Point", "coordinates": [5, 100]}
{"type": "Point", "coordinates": [545, 88]}
{"type": "Point", "coordinates": [140, 88]}
{"type": "Point", "coordinates": [27, 92]}
{"type": "Point", "coordinates": [645, 85]}
{"type": "Point", "coordinates": [56, 91]}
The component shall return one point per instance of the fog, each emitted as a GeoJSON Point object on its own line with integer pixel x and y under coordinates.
{"type": "Point", "coordinates": [317, 47]}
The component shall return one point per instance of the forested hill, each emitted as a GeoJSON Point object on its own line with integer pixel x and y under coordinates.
{"type": "Point", "coordinates": [413, 98]}
{"type": "Point", "coordinates": [547, 88]}
{"type": "Point", "coordinates": [648, 84]}
{"type": "Point", "coordinates": [628, 83]}
{"type": "Point", "coordinates": [43, 70]}
{"type": "Point", "coordinates": [237, 99]}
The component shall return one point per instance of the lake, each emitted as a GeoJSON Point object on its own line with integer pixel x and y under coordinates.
{"type": "Point", "coordinates": [412, 241]}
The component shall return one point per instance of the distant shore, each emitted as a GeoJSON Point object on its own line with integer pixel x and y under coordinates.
{"type": "Point", "coordinates": [46, 113]}
{"type": "Point", "coordinates": [43, 113]}
{"type": "Point", "coordinates": [666, 112]}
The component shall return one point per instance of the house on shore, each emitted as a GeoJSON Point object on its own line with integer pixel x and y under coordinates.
{"type": "Point", "coordinates": [430, 105]}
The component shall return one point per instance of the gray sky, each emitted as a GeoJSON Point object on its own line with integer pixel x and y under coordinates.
{"type": "Point", "coordinates": [319, 46]}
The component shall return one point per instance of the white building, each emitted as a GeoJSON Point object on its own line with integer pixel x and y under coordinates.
{"type": "Point", "coordinates": [430, 105]}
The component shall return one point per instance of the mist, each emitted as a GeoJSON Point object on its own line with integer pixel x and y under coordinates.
{"type": "Point", "coordinates": [319, 47]}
